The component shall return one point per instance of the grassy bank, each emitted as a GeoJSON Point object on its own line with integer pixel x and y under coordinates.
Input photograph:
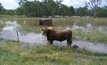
{"type": "Point", "coordinates": [12, 54]}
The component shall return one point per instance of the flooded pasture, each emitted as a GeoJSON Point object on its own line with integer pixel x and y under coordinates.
{"type": "Point", "coordinates": [11, 32]}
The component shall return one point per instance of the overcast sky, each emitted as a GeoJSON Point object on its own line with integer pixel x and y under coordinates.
{"type": "Point", "coordinates": [13, 4]}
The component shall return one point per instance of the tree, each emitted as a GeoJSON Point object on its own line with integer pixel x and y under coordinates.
{"type": "Point", "coordinates": [51, 7]}
{"type": "Point", "coordinates": [93, 4]}
{"type": "Point", "coordinates": [19, 11]}
{"type": "Point", "coordinates": [44, 8]}
{"type": "Point", "coordinates": [29, 9]}
{"type": "Point", "coordinates": [21, 2]}
{"type": "Point", "coordinates": [102, 11]}
{"type": "Point", "coordinates": [1, 7]}
{"type": "Point", "coordinates": [63, 10]}
{"type": "Point", "coordinates": [39, 8]}
{"type": "Point", "coordinates": [82, 11]}
{"type": "Point", "coordinates": [71, 11]}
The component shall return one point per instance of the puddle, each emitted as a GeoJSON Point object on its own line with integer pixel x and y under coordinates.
{"type": "Point", "coordinates": [90, 46]}
{"type": "Point", "coordinates": [32, 39]}
{"type": "Point", "coordinates": [102, 29]}
{"type": "Point", "coordinates": [77, 27]}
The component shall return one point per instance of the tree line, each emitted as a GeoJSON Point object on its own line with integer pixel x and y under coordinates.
{"type": "Point", "coordinates": [52, 8]}
{"type": "Point", "coordinates": [44, 8]}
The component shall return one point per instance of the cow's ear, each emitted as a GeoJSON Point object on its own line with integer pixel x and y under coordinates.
{"type": "Point", "coordinates": [42, 29]}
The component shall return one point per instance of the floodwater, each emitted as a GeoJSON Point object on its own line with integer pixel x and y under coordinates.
{"type": "Point", "coordinates": [89, 27]}
{"type": "Point", "coordinates": [9, 32]}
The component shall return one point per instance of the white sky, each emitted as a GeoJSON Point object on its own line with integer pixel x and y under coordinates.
{"type": "Point", "coordinates": [13, 4]}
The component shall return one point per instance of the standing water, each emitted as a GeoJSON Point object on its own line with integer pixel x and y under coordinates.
{"type": "Point", "coordinates": [9, 33]}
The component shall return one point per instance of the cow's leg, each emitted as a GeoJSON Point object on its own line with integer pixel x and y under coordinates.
{"type": "Point", "coordinates": [69, 42]}
{"type": "Point", "coordinates": [50, 42]}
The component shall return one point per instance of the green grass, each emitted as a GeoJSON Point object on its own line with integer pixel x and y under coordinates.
{"type": "Point", "coordinates": [12, 54]}
{"type": "Point", "coordinates": [96, 36]}
{"type": "Point", "coordinates": [2, 24]}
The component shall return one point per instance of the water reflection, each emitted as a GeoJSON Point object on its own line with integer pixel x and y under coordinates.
{"type": "Point", "coordinates": [89, 27]}
{"type": "Point", "coordinates": [9, 32]}
{"type": "Point", "coordinates": [32, 39]}
{"type": "Point", "coordinates": [102, 29]}
{"type": "Point", "coordinates": [77, 27]}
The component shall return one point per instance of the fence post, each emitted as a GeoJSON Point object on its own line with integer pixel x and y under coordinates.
{"type": "Point", "coordinates": [17, 36]}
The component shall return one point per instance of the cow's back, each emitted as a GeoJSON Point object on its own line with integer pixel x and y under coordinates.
{"type": "Point", "coordinates": [60, 35]}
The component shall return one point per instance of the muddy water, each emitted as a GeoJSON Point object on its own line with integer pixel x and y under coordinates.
{"type": "Point", "coordinates": [32, 39]}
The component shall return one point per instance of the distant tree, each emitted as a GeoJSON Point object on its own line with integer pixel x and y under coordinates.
{"type": "Point", "coordinates": [82, 11]}
{"type": "Point", "coordinates": [29, 9]}
{"type": "Point", "coordinates": [51, 7]}
{"type": "Point", "coordinates": [65, 11]}
{"type": "Point", "coordinates": [102, 11]}
{"type": "Point", "coordinates": [71, 11]}
{"type": "Point", "coordinates": [1, 7]}
{"type": "Point", "coordinates": [93, 4]}
{"type": "Point", "coordinates": [20, 11]}
{"type": "Point", "coordinates": [39, 8]}
{"type": "Point", "coordinates": [21, 2]}
{"type": "Point", "coordinates": [9, 12]}
{"type": "Point", "coordinates": [44, 8]}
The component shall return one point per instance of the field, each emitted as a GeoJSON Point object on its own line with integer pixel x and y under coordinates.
{"type": "Point", "coordinates": [83, 28]}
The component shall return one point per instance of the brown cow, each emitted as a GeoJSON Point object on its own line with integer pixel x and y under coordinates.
{"type": "Point", "coordinates": [58, 35]}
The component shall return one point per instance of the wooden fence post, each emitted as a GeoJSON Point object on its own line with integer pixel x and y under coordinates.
{"type": "Point", "coordinates": [17, 36]}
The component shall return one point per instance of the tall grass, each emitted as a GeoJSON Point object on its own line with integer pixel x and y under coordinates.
{"type": "Point", "coordinates": [80, 21]}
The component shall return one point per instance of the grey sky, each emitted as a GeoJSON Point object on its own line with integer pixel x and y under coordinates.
{"type": "Point", "coordinates": [13, 4]}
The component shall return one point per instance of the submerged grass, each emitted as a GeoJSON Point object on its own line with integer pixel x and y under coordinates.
{"type": "Point", "coordinates": [96, 36]}
{"type": "Point", "coordinates": [11, 53]}
{"type": "Point", "coordinates": [92, 36]}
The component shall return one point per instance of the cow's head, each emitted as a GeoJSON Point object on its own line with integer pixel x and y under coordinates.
{"type": "Point", "coordinates": [46, 31]}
